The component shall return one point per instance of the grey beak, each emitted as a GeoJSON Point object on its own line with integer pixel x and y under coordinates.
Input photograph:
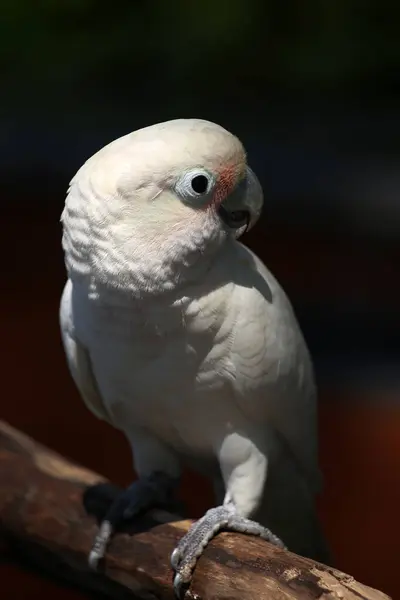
{"type": "Point", "coordinates": [242, 208]}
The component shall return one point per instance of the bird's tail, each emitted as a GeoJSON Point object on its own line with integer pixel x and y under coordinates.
{"type": "Point", "coordinates": [288, 510]}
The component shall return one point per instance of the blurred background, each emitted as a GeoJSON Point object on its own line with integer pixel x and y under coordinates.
{"type": "Point", "coordinates": [312, 88]}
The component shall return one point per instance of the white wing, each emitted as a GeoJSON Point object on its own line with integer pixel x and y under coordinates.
{"type": "Point", "coordinates": [274, 375]}
{"type": "Point", "coordinates": [78, 358]}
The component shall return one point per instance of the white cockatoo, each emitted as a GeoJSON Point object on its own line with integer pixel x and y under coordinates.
{"type": "Point", "coordinates": [178, 335]}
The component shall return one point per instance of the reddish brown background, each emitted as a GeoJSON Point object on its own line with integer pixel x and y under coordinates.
{"type": "Point", "coordinates": [313, 90]}
{"type": "Point", "coordinates": [360, 441]}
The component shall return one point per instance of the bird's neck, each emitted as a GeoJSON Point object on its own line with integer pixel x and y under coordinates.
{"type": "Point", "coordinates": [167, 277]}
{"type": "Point", "coordinates": [128, 311]}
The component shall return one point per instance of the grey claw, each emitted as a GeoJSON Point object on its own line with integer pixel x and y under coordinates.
{"type": "Point", "coordinates": [93, 560]}
{"type": "Point", "coordinates": [191, 546]}
{"type": "Point", "coordinates": [179, 587]}
{"type": "Point", "coordinates": [100, 544]}
{"type": "Point", "coordinates": [175, 559]}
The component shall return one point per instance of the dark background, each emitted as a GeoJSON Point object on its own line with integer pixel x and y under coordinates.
{"type": "Point", "coordinates": [312, 88]}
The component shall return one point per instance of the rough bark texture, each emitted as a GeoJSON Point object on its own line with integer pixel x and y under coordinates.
{"type": "Point", "coordinates": [43, 517]}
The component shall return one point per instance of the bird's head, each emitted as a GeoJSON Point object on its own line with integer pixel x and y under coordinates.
{"type": "Point", "coordinates": [161, 196]}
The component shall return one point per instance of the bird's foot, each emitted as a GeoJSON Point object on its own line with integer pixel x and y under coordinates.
{"type": "Point", "coordinates": [191, 546]}
{"type": "Point", "coordinates": [141, 496]}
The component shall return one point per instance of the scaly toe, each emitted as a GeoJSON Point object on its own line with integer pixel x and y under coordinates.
{"type": "Point", "coordinates": [100, 544]}
{"type": "Point", "coordinates": [181, 584]}
{"type": "Point", "coordinates": [191, 546]}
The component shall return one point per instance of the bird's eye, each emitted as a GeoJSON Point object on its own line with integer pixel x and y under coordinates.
{"type": "Point", "coordinates": [199, 184]}
{"type": "Point", "coordinates": [194, 185]}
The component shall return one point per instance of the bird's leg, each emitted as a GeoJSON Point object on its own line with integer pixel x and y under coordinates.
{"type": "Point", "coordinates": [191, 546]}
{"type": "Point", "coordinates": [158, 478]}
{"type": "Point", "coordinates": [156, 490]}
{"type": "Point", "coordinates": [243, 468]}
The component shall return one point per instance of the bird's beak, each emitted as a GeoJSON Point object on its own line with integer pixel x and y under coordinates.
{"type": "Point", "coordinates": [254, 197]}
{"type": "Point", "coordinates": [242, 208]}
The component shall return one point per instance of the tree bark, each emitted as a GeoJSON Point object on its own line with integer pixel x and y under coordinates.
{"type": "Point", "coordinates": [42, 515]}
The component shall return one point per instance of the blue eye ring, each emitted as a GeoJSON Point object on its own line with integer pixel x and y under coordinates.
{"type": "Point", "coordinates": [195, 185]}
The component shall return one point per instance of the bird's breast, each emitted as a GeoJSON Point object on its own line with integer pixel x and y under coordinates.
{"type": "Point", "coordinates": [166, 373]}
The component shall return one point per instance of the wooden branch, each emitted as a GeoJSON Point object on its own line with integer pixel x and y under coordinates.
{"type": "Point", "coordinates": [43, 516]}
